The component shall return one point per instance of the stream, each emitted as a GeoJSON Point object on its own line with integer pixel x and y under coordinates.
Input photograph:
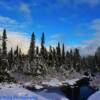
{"type": "Point", "coordinates": [56, 93]}
{"type": "Point", "coordinates": [85, 92]}
{"type": "Point", "coordinates": [80, 91]}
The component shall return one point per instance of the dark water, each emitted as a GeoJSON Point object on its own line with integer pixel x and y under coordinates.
{"type": "Point", "coordinates": [85, 92]}
{"type": "Point", "coordinates": [80, 93]}
{"type": "Point", "coordinates": [56, 94]}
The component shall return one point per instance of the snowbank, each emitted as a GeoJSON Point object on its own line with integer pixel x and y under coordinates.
{"type": "Point", "coordinates": [53, 94]}
{"type": "Point", "coordinates": [16, 91]}
{"type": "Point", "coordinates": [54, 83]}
{"type": "Point", "coordinates": [95, 96]}
{"type": "Point", "coordinates": [38, 87]}
{"type": "Point", "coordinates": [31, 85]}
{"type": "Point", "coordinates": [95, 83]}
{"type": "Point", "coordinates": [71, 82]}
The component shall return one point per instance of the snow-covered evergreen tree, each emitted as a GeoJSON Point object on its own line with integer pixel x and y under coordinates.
{"type": "Point", "coordinates": [32, 48]}
{"type": "Point", "coordinates": [4, 45]}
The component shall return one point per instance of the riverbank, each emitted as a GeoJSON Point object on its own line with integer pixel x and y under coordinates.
{"type": "Point", "coordinates": [16, 91]}
{"type": "Point", "coordinates": [49, 90]}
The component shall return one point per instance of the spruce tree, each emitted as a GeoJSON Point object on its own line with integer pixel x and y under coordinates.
{"type": "Point", "coordinates": [32, 48]}
{"type": "Point", "coordinates": [77, 59]}
{"type": "Point", "coordinates": [97, 58]}
{"type": "Point", "coordinates": [37, 50]}
{"type": "Point", "coordinates": [20, 60]}
{"type": "Point", "coordinates": [58, 50]}
{"type": "Point", "coordinates": [63, 53]}
{"type": "Point", "coordinates": [16, 52]}
{"type": "Point", "coordinates": [16, 57]}
{"type": "Point", "coordinates": [0, 58]}
{"type": "Point", "coordinates": [4, 45]}
{"type": "Point", "coordinates": [42, 45]}
{"type": "Point", "coordinates": [45, 54]}
{"type": "Point", "coordinates": [20, 55]}
{"type": "Point", "coordinates": [50, 58]}
{"type": "Point", "coordinates": [67, 59]}
{"type": "Point", "coordinates": [54, 54]}
{"type": "Point", "coordinates": [71, 58]}
{"type": "Point", "coordinates": [10, 58]}
{"type": "Point", "coordinates": [58, 57]}
{"type": "Point", "coordinates": [0, 53]}
{"type": "Point", "coordinates": [3, 53]}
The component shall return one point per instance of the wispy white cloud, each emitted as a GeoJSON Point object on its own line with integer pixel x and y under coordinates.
{"type": "Point", "coordinates": [7, 20]}
{"type": "Point", "coordinates": [87, 46]}
{"type": "Point", "coordinates": [26, 11]}
{"type": "Point", "coordinates": [24, 8]}
{"type": "Point", "coordinates": [54, 39]}
{"type": "Point", "coordinates": [90, 46]}
{"type": "Point", "coordinates": [95, 24]}
{"type": "Point", "coordinates": [9, 23]}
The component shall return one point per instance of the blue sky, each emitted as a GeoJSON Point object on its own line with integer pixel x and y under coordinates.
{"type": "Point", "coordinates": [74, 22]}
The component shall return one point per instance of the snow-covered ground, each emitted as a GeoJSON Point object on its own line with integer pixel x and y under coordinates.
{"type": "Point", "coordinates": [61, 76]}
{"type": "Point", "coordinates": [51, 83]}
{"type": "Point", "coordinates": [95, 83]}
{"type": "Point", "coordinates": [39, 82]}
{"type": "Point", "coordinates": [54, 83]}
{"type": "Point", "coordinates": [15, 91]}
{"type": "Point", "coordinates": [53, 94]}
{"type": "Point", "coordinates": [95, 96]}
{"type": "Point", "coordinates": [30, 84]}
{"type": "Point", "coordinates": [71, 82]}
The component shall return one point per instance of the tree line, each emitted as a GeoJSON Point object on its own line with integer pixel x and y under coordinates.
{"type": "Point", "coordinates": [38, 60]}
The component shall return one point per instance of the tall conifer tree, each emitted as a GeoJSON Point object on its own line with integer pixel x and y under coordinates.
{"type": "Point", "coordinates": [32, 48]}
{"type": "Point", "coordinates": [4, 45]}
{"type": "Point", "coordinates": [63, 53]}
{"type": "Point", "coordinates": [42, 45]}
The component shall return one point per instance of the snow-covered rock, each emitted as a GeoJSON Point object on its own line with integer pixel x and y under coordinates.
{"type": "Point", "coordinates": [95, 83]}
{"type": "Point", "coordinates": [38, 87]}
{"type": "Point", "coordinates": [27, 84]}
{"type": "Point", "coordinates": [54, 83]}
{"type": "Point", "coordinates": [31, 85]}
{"type": "Point", "coordinates": [71, 81]}
{"type": "Point", "coordinates": [95, 96]}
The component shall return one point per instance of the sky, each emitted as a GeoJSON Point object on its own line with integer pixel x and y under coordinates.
{"type": "Point", "coordinates": [72, 22]}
